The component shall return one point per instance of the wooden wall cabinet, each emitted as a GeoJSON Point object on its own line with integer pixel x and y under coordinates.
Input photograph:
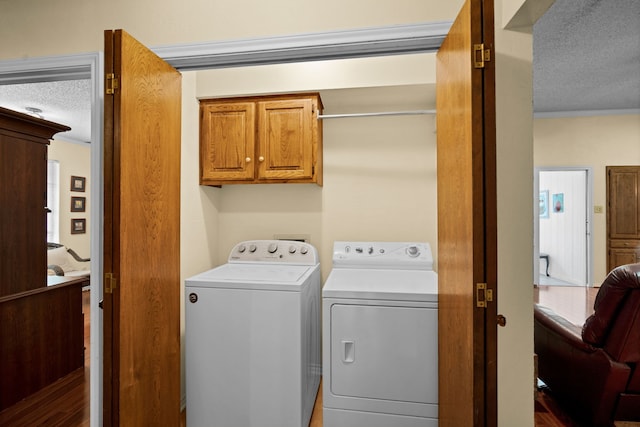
{"type": "Point", "coordinates": [265, 139]}
{"type": "Point", "coordinates": [623, 215]}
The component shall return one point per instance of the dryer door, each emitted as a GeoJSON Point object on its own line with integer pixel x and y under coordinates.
{"type": "Point", "coordinates": [384, 353]}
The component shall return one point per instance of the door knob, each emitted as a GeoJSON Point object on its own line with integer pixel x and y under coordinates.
{"type": "Point", "coordinates": [502, 321]}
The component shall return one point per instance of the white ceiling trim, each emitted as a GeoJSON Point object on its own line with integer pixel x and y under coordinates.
{"type": "Point", "coordinates": [49, 69]}
{"type": "Point", "coordinates": [368, 42]}
{"type": "Point", "coordinates": [585, 113]}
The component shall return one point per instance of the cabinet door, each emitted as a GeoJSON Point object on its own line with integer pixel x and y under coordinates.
{"type": "Point", "coordinates": [624, 203]}
{"type": "Point", "coordinates": [23, 224]}
{"type": "Point", "coordinates": [287, 139]}
{"type": "Point", "coordinates": [619, 257]}
{"type": "Point", "coordinates": [227, 141]}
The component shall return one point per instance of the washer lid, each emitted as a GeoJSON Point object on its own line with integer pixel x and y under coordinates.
{"type": "Point", "coordinates": [254, 276]}
{"type": "Point", "coordinates": [375, 284]}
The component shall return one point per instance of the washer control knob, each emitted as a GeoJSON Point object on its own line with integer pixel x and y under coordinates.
{"type": "Point", "coordinates": [292, 249]}
{"type": "Point", "coordinates": [272, 248]}
{"type": "Point", "coordinates": [242, 248]}
{"type": "Point", "coordinates": [252, 248]}
{"type": "Point", "coordinates": [304, 250]}
{"type": "Point", "coordinates": [413, 251]}
{"type": "Point", "coordinates": [370, 250]}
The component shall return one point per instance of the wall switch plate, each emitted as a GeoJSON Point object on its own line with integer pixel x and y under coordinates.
{"type": "Point", "coordinates": [598, 209]}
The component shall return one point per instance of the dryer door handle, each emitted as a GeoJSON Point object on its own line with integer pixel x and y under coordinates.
{"type": "Point", "coordinates": [348, 351]}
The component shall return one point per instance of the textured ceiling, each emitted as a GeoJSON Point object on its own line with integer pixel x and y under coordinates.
{"type": "Point", "coordinates": [586, 58]}
{"type": "Point", "coordinates": [66, 102]}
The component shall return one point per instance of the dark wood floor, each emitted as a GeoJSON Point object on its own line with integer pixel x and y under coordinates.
{"type": "Point", "coordinates": [66, 402]}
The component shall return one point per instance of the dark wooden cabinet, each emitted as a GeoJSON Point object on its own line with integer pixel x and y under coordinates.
{"type": "Point", "coordinates": [41, 335]}
{"type": "Point", "coordinates": [623, 215]}
{"type": "Point", "coordinates": [23, 198]}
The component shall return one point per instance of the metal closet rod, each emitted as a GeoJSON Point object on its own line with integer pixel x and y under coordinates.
{"type": "Point", "coordinates": [381, 113]}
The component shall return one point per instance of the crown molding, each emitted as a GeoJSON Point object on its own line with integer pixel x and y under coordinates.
{"type": "Point", "coordinates": [366, 42]}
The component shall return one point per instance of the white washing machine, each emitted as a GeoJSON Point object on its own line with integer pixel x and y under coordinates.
{"type": "Point", "coordinates": [380, 336]}
{"type": "Point", "coordinates": [252, 333]}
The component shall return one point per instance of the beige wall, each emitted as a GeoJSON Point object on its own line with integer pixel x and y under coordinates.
{"type": "Point", "coordinates": [75, 160]}
{"type": "Point", "coordinates": [379, 172]}
{"type": "Point", "coordinates": [35, 28]}
{"type": "Point", "coordinates": [596, 142]}
{"type": "Point", "coordinates": [514, 115]}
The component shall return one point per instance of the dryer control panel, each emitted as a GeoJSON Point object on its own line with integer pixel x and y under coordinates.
{"type": "Point", "coordinates": [387, 255]}
{"type": "Point", "coordinates": [277, 251]}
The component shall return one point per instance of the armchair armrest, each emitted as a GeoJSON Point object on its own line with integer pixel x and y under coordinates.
{"type": "Point", "coordinates": [77, 257]}
{"type": "Point", "coordinates": [56, 269]}
{"type": "Point", "coordinates": [561, 327]}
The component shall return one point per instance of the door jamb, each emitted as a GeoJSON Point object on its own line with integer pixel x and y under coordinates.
{"type": "Point", "coordinates": [78, 67]}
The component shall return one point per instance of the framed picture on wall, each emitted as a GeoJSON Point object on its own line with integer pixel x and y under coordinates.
{"type": "Point", "coordinates": [78, 183]}
{"type": "Point", "coordinates": [78, 204]}
{"type": "Point", "coordinates": [544, 204]}
{"type": "Point", "coordinates": [78, 226]}
{"type": "Point", "coordinates": [558, 203]}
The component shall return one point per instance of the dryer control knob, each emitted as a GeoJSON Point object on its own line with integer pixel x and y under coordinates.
{"type": "Point", "coordinates": [272, 248]}
{"type": "Point", "coordinates": [252, 248]}
{"type": "Point", "coordinates": [292, 249]}
{"type": "Point", "coordinates": [242, 248]}
{"type": "Point", "coordinates": [413, 251]}
{"type": "Point", "coordinates": [304, 250]}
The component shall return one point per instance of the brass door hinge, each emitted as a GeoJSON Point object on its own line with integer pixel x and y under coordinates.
{"type": "Point", "coordinates": [111, 84]}
{"type": "Point", "coordinates": [483, 295]}
{"type": "Point", "coordinates": [110, 283]}
{"type": "Point", "coordinates": [480, 55]}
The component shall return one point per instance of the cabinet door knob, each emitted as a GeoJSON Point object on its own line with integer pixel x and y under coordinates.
{"type": "Point", "coordinates": [248, 159]}
{"type": "Point", "coordinates": [261, 159]}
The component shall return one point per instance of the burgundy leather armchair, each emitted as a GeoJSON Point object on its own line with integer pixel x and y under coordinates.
{"type": "Point", "coordinates": [594, 371]}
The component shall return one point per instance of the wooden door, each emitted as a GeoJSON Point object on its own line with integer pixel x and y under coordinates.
{"type": "Point", "coordinates": [467, 249]}
{"type": "Point", "coordinates": [624, 201]}
{"type": "Point", "coordinates": [227, 141]}
{"type": "Point", "coordinates": [141, 236]}
{"type": "Point", "coordinates": [623, 215]}
{"type": "Point", "coordinates": [286, 139]}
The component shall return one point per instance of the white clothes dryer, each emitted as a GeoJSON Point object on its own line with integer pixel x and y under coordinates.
{"type": "Point", "coordinates": [380, 336]}
{"type": "Point", "coordinates": [252, 334]}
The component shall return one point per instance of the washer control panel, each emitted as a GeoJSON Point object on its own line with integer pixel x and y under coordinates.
{"type": "Point", "coordinates": [400, 255]}
{"type": "Point", "coordinates": [281, 251]}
